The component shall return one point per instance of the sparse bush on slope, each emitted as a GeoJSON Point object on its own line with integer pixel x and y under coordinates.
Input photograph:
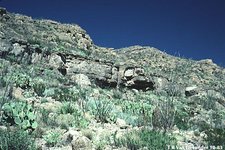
{"type": "Point", "coordinates": [16, 140]}
{"type": "Point", "coordinates": [145, 139]}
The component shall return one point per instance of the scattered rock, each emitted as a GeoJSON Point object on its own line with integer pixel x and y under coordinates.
{"type": "Point", "coordinates": [121, 123]}
{"type": "Point", "coordinates": [17, 49]}
{"type": "Point", "coordinates": [55, 61]}
{"type": "Point", "coordinates": [64, 120]}
{"type": "Point", "coordinates": [40, 144]}
{"type": "Point", "coordinates": [160, 83]}
{"type": "Point", "coordinates": [3, 128]}
{"type": "Point", "coordinates": [51, 105]}
{"type": "Point", "coordinates": [81, 79]}
{"type": "Point", "coordinates": [69, 136]}
{"type": "Point", "coordinates": [129, 73]}
{"type": "Point", "coordinates": [36, 57]}
{"type": "Point", "coordinates": [190, 91]}
{"type": "Point", "coordinates": [67, 147]}
{"type": "Point", "coordinates": [17, 93]}
{"type": "Point", "coordinates": [95, 93]}
{"type": "Point", "coordinates": [81, 143]}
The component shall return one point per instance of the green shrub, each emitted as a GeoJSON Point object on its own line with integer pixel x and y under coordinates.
{"type": "Point", "coordinates": [47, 119]}
{"type": "Point", "coordinates": [100, 145]}
{"type": "Point", "coordinates": [16, 140]}
{"type": "Point", "coordinates": [181, 118]}
{"type": "Point", "coordinates": [64, 95]}
{"type": "Point", "coordinates": [173, 89]}
{"type": "Point", "coordinates": [215, 131]}
{"type": "Point", "coordinates": [19, 113]}
{"type": "Point", "coordinates": [20, 79]}
{"type": "Point", "coordinates": [215, 136]}
{"type": "Point", "coordinates": [101, 109]}
{"type": "Point", "coordinates": [76, 115]}
{"type": "Point", "coordinates": [141, 110]}
{"type": "Point", "coordinates": [4, 65]}
{"type": "Point", "coordinates": [164, 114]}
{"type": "Point", "coordinates": [79, 120]}
{"type": "Point", "coordinates": [209, 101]}
{"type": "Point", "coordinates": [145, 138]}
{"type": "Point", "coordinates": [68, 108]}
{"type": "Point", "coordinates": [49, 92]}
{"type": "Point", "coordinates": [39, 86]}
{"type": "Point", "coordinates": [117, 94]}
{"type": "Point", "coordinates": [52, 138]}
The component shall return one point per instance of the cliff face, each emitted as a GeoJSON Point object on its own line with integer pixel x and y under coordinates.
{"type": "Point", "coordinates": [70, 49]}
{"type": "Point", "coordinates": [63, 55]}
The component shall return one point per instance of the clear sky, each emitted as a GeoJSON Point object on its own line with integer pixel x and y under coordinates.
{"type": "Point", "coordinates": [192, 28]}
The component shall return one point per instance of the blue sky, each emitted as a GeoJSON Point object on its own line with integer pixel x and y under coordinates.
{"type": "Point", "coordinates": [191, 28]}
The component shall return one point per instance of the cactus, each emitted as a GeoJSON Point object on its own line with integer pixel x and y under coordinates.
{"type": "Point", "coordinates": [21, 114]}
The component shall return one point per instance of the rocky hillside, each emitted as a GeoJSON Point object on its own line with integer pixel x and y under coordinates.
{"type": "Point", "coordinates": [58, 90]}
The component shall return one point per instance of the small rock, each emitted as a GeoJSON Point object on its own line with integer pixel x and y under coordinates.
{"type": "Point", "coordinates": [51, 105]}
{"type": "Point", "coordinates": [190, 91]}
{"type": "Point", "coordinates": [121, 123]}
{"type": "Point", "coordinates": [81, 143]}
{"type": "Point", "coordinates": [3, 128]}
{"type": "Point", "coordinates": [40, 143]}
{"type": "Point", "coordinates": [160, 82]}
{"type": "Point", "coordinates": [69, 136]}
{"type": "Point", "coordinates": [95, 93]}
{"type": "Point", "coordinates": [84, 43]}
{"type": "Point", "coordinates": [17, 93]}
{"type": "Point", "coordinates": [129, 73]}
{"type": "Point", "coordinates": [65, 119]}
{"type": "Point", "coordinates": [135, 91]}
{"type": "Point", "coordinates": [68, 147]}
{"type": "Point", "coordinates": [139, 71]}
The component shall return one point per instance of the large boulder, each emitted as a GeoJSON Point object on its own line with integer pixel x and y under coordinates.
{"type": "Point", "coordinates": [81, 79]}
{"type": "Point", "coordinates": [17, 49]}
{"type": "Point", "coordinates": [55, 61]}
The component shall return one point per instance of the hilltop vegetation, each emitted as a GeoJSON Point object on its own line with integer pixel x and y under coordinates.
{"type": "Point", "coordinates": [58, 90]}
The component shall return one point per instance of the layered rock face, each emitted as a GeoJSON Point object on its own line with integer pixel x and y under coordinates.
{"type": "Point", "coordinates": [70, 50]}
{"type": "Point", "coordinates": [67, 48]}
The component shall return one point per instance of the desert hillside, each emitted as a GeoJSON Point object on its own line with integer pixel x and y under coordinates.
{"type": "Point", "coordinates": [60, 91]}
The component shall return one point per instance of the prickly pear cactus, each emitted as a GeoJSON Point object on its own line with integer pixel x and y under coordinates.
{"type": "Point", "coordinates": [19, 113]}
